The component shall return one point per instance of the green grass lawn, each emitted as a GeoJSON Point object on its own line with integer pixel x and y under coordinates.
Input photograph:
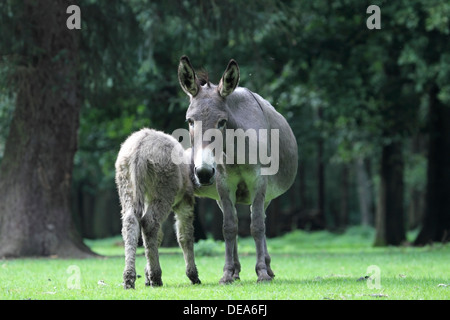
{"type": "Point", "coordinates": [316, 265]}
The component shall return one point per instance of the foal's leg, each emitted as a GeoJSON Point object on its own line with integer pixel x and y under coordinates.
{"type": "Point", "coordinates": [130, 233]}
{"type": "Point", "coordinates": [157, 212]}
{"type": "Point", "coordinates": [185, 236]}
{"type": "Point", "coordinates": [258, 230]}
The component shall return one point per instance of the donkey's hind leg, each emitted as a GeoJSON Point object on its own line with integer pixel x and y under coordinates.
{"type": "Point", "coordinates": [267, 259]}
{"type": "Point", "coordinates": [185, 236]}
{"type": "Point", "coordinates": [258, 230]}
{"type": "Point", "coordinates": [130, 233]}
{"type": "Point", "coordinates": [266, 253]}
{"type": "Point", "coordinates": [157, 212]}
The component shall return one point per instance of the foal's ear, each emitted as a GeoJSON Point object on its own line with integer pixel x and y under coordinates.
{"type": "Point", "coordinates": [230, 79]}
{"type": "Point", "coordinates": [187, 77]}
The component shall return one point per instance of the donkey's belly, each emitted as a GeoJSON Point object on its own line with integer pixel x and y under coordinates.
{"type": "Point", "coordinates": [245, 191]}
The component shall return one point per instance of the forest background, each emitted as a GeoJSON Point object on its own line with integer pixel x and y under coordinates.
{"type": "Point", "coordinates": [369, 108]}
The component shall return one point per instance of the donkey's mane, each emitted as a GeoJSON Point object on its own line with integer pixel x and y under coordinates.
{"type": "Point", "coordinates": [203, 77]}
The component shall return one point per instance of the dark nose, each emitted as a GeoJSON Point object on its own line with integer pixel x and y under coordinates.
{"type": "Point", "coordinates": [205, 175]}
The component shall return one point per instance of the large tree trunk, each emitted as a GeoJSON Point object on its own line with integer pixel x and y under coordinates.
{"type": "Point", "coordinates": [390, 229]}
{"type": "Point", "coordinates": [436, 224]}
{"type": "Point", "coordinates": [35, 173]}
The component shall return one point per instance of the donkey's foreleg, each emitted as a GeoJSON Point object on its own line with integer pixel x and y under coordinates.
{"type": "Point", "coordinates": [185, 237]}
{"type": "Point", "coordinates": [236, 263]}
{"type": "Point", "coordinates": [130, 234]}
{"type": "Point", "coordinates": [258, 231]}
{"type": "Point", "coordinates": [230, 228]}
{"type": "Point", "coordinates": [267, 259]}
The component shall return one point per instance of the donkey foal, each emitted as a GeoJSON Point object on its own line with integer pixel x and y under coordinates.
{"type": "Point", "coordinates": [150, 186]}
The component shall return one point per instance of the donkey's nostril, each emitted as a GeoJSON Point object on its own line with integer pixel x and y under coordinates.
{"type": "Point", "coordinates": [205, 175]}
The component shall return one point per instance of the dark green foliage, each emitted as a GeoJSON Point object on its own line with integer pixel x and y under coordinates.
{"type": "Point", "coordinates": [355, 92]}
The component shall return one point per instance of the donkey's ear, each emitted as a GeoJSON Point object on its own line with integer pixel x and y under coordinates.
{"type": "Point", "coordinates": [230, 79]}
{"type": "Point", "coordinates": [187, 77]}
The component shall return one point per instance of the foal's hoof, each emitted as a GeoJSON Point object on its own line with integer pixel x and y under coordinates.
{"type": "Point", "coordinates": [196, 281]}
{"type": "Point", "coordinates": [128, 285]}
{"type": "Point", "coordinates": [129, 278]}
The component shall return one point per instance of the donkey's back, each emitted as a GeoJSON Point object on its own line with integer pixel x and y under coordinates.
{"type": "Point", "coordinates": [145, 170]}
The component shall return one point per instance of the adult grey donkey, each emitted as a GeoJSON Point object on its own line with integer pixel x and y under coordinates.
{"type": "Point", "coordinates": [228, 113]}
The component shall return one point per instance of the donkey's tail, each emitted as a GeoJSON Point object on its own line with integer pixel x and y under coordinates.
{"type": "Point", "coordinates": [139, 171]}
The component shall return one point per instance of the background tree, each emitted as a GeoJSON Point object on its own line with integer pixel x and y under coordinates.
{"type": "Point", "coordinates": [429, 61]}
{"type": "Point", "coordinates": [54, 72]}
{"type": "Point", "coordinates": [36, 170]}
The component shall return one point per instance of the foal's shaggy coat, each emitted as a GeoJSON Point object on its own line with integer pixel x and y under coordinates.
{"type": "Point", "coordinates": [150, 186]}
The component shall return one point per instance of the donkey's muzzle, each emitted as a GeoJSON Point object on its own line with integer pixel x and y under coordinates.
{"type": "Point", "coordinates": [205, 175]}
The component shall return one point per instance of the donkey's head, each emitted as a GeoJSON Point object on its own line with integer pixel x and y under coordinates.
{"type": "Point", "coordinates": [207, 115]}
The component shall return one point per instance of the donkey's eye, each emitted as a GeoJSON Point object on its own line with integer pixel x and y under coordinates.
{"type": "Point", "coordinates": [221, 123]}
{"type": "Point", "coordinates": [191, 122]}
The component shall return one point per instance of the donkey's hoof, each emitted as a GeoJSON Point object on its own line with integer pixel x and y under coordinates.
{"type": "Point", "coordinates": [226, 280]}
{"type": "Point", "coordinates": [193, 276]}
{"type": "Point", "coordinates": [264, 277]}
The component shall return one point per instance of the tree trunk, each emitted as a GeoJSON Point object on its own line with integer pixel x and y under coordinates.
{"type": "Point", "coordinates": [320, 178]}
{"type": "Point", "coordinates": [342, 219]}
{"type": "Point", "coordinates": [364, 193]}
{"type": "Point", "coordinates": [390, 229]}
{"type": "Point", "coordinates": [415, 209]}
{"type": "Point", "coordinates": [416, 206]}
{"type": "Point", "coordinates": [436, 224]}
{"type": "Point", "coordinates": [35, 173]}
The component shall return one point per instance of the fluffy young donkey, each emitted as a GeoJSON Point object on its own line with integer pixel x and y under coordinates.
{"type": "Point", "coordinates": [150, 186]}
